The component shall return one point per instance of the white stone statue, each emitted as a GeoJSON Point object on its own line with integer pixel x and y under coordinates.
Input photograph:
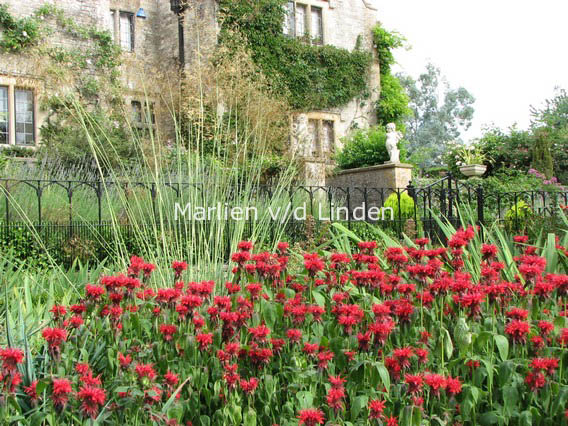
{"type": "Point", "coordinates": [393, 136]}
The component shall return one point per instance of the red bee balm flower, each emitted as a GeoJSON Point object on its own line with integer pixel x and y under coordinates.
{"type": "Point", "coordinates": [61, 391]}
{"type": "Point", "coordinates": [179, 267]}
{"type": "Point", "coordinates": [204, 340]}
{"type": "Point", "coordinates": [168, 330]}
{"type": "Point", "coordinates": [376, 408]}
{"type": "Point", "coordinates": [518, 330]}
{"type": "Point", "coordinates": [311, 417]}
{"type": "Point", "coordinates": [10, 358]}
{"type": "Point", "coordinates": [91, 399]}
{"type": "Point", "coordinates": [54, 336]}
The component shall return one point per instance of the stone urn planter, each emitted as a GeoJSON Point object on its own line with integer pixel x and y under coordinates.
{"type": "Point", "coordinates": [472, 170]}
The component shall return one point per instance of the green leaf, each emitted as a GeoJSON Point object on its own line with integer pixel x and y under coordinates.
{"type": "Point", "coordinates": [359, 403]}
{"type": "Point", "coordinates": [448, 345]}
{"type": "Point", "coordinates": [250, 418]}
{"type": "Point", "coordinates": [269, 313]}
{"type": "Point", "coordinates": [319, 299]}
{"type": "Point", "coordinates": [510, 399]}
{"type": "Point", "coordinates": [489, 418]}
{"type": "Point", "coordinates": [305, 399]}
{"type": "Point", "coordinates": [385, 377]}
{"type": "Point", "coordinates": [502, 345]}
{"type": "Point", "coordinates": [525, 419]}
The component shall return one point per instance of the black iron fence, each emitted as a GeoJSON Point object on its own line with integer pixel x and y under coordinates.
{"type": "Point", "coordinates": [59, 211]}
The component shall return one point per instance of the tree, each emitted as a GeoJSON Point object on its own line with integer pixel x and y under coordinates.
{"type": "Point", "coordinates": [550, 127]}
{"type": "Point", "coordinates": [434, 123]}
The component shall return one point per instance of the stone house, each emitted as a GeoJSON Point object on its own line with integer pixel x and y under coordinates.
{"type": "Point", "coordinates": [160, 34]}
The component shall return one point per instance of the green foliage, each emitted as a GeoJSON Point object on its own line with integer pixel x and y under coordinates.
{"type": "Point", "coordinates": [385, 42]}
{"type": "Point", "coordinates": [508, 150]}
{"type": "Point", "coordinates": [517, 215]}
{"type": "Point", "coordinates": [17, 151]}
{"type": "Point", "coordinates": [17, 34]}
{"type": "Point", "coordinates": [366, 148]}
{"type": "Point", "coordinates": [406, 205]}
{"type": "Point", "coordinates": [392, 106]}
{"type": "Point", "coordinates": [311, 76]}
{"type": "Point", "coordinates": [541, 156]}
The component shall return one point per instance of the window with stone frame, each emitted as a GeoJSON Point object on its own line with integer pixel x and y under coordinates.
{"type": "Point", "coordinates": [143, 113]}
{"type": "Point", "coordinates": [304, 21]}
{"type": "Point", "coordinates": [321, 137]}
{"type": "Point", "coordinates": [24, 116]}
{"type": "Point", "coordinates": [17, 114]}
{"type": "Point", "coordinates": [4, 116]}
{"type": "Point", "coordinates": [123, 29]}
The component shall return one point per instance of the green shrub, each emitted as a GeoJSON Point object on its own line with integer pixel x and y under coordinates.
{"type": "Point", "coordinates": [406, 205]}
{"type": "Point", "coordinates": [366, 148]}
{"type": "Point", "coordinates": [517, 217]}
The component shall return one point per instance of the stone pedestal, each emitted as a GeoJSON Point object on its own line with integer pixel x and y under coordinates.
{"type": "Point", "coordinates": [388, 175]}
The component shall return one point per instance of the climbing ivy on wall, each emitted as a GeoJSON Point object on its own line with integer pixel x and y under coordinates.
{"type": "Point", "coordinates": [311, 77]}
{"type": "Point", "coordinates": [17, 34]}
{"type": "Point", "coordinates": [392, 106]}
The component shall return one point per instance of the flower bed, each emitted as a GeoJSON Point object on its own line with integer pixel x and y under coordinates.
{"type": "Point", "coordinates": [392, 338]}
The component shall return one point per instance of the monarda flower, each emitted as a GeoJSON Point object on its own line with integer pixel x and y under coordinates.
{"type": "Point", "coordinates": [376, 408]}
{"type": "Point", "coordinates": [60, 393]}
{"type": "Point", "coordinates": [310, 417]}
{"type": "Point", "coordinates": [204, 340]}
{"type": "Point", "coordinates": [58, 311]}
{"type": "Point", "coordinates": [31, 391]}
{"type": "Point", "coordinates": [259, 333]}
{"type": "Point", "coordinates": [171, 379]}
{"type": "Point", "coordinates": [92, 398]}
{"type": "Point", "coordinates": [145, 370]}
{"type": "Point", "coordinates": [436, 382]}
{"type": "Point", "coordinates": [294, 335]}
{"type": "Point", "coordinates": [453, 386]}
{"type": "Point", "coordinates": [518, 330]}
{"type": "Point", "coordinates": [168, 330]}
{"type": "Point", "coordinates": [323, 358]}
{"type": "Point", "coordinates": [54, 337]}
{"type": "Point", "coordinates": [178, 268]}
{"type": "Point", "coordinates": [248, 386]}
{"type": "Point", "coordinates": [124, 361]}
{"type": "Point", "coordinates": [245, 246]}
{"type": "Point", "coordinates": [334, 398]}
{"type": "Point", "coordinates": [414, 383]}
{"type": "Point", "coordinates": [11, 358]}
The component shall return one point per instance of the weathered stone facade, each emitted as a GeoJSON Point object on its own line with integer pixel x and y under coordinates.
{"type": "Point", "coordinates": [153, 38]}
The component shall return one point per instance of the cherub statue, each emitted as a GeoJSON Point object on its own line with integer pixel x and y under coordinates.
{"type": "Point", "coordinates": [393, 136]}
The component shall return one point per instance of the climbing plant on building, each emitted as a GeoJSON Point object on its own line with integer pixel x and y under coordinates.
{"type": "Point", "coordinates": [392, 106]}
{"type": "Point", "coordinates": [310, 76]}
{"type": "Point", "coordinates": [17, 34]}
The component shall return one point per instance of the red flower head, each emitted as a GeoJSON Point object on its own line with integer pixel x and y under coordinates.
{"type": "Point", "coordinates": [282, 247]}
{"type": "Point", "coordinates": [376, 408]}
{"type": "Point", "coordinates": [453, 385]}
{"type": "Point", "coordinates": [124, 360]}
{"type": "Point", "coordinates": [518, 330]}
{"type": "Point", "coordinates": [54, 336]}
{"type": "Point", "coordinates": [249, 386]}
{"type": "Point", "coordinates": [168, 330]}
{"type": "Point", "coordinates": [92, 398]}
{"type": "Point", "coordinates": [436, 382]}
{"type": "Point", "coordinates": [335, 398]}
{"type": "Point", "coordinates": [204, 340]}
{"type": "Point", "coordinates": [414, 383]}
{"type": "Point", "coordinates": [245, 246]}
{"type": "Point", "coordinates": [488, 251]}
{"type": "Point", "coordinates": [61, 391]}
{"type": "Point", "coordinates": [294, 335]}
{"type": "Point", "coordinates": [145, 370]}
{"type": "Point", "coordinates": [11, 358]}
{"type": "Point", "coordinates": [58, 311]}
{"type": "Point", "coordinates": [311, 417]}
{"type": "Point", "coordinates": [94, 292]}
{"type": "Point", "coordinates": [179, 267]}
{"type": "Point", "coordinates": [31, 391]}
{"type": "Point", "coordinates": [171, 379]}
